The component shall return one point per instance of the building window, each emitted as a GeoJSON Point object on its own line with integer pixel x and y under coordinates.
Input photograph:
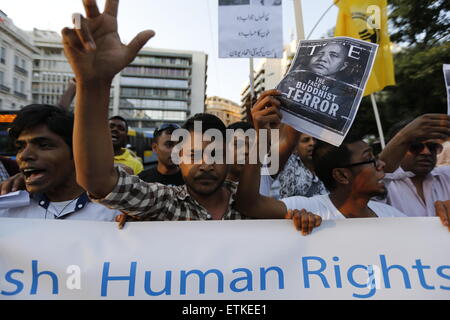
{"type": "Point", "coordinates": [2, 75]}
{"type": "Point", "coordinates": [15, 84]}
{"type": "Point", "coordinates": [153, 104]}
{"type": "Point", "coordinates": [151, 71]}
{"type": "Point", "coordinates": [3, 55]}
{"type": "Point", "coordinates": [147, 92]}
{"type": "Point", "coordinates": [150, 82]}
{"type": "Point", "coordinates": [22, 86]}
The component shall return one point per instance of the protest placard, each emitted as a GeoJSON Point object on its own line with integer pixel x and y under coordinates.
{"type": "Point", "coordinates": [250, 28]}
{"type": "Point", "coordinates": [371, 258]}
{"type": "Point", "coordinates": [323, 88]}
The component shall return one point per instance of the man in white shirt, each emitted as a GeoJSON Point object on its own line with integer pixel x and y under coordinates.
{"type": "Point", "coordinates": [415, 185]}
{"type": "Point", "coordinates": [350, 172]}
{"type": "Point", "coordinates": [443, 158]}
{"type": "Point", "coordinates": [42, 135]}
{"type": "Point", "coordinates": [40, 207]}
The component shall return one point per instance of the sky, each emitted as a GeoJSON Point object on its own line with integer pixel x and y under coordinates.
{"type": "Point", "coordinates": [179, 24]}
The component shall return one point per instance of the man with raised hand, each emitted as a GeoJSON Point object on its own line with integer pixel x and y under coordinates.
{"type": "Point", "coordinates": [350, 172]}
{"type": "Point", "coordinates": [96, 55]}
{"type": "Point", "coordinates": [415, 185]}
{"type": "Point", "coordinates": [94, 68]}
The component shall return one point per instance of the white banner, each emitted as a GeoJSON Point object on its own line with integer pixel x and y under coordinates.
{"type": "Point", "coordinates": [250, 28]}
{"type": "Point", "coordinates": [390, 258]}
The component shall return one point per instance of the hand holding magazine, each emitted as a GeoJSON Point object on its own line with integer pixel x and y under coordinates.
{"type": "Point", "coordinates": [323, 88]}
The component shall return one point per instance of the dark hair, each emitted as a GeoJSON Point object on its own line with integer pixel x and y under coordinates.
{"type": "Point", "coordinates": [121, 119]}
{"type": "Point", "coordinates": [169, 128]}
{"type": "Point", "coordinates": [208, 121]}
{"type": "Point", "coordinates": [326, 157]}
{"type": "Point", "coordinates": [244, 125]}
{"type": "Point", "coordinates": [56, 119]}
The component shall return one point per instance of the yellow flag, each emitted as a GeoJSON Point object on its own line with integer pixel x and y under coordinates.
{"type": "Point", "coordinates": [367, 20]}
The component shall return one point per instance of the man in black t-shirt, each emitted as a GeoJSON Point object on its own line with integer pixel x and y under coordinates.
{"type": "Point", "coordinates": [165, 172]}
{"type": "Point", "coordinates": [153, 175]}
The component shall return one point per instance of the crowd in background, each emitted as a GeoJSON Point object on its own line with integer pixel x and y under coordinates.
{"type": "Point", "coordinates": [77, 166]}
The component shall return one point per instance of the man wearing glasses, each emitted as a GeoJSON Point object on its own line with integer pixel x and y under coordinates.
{"type": "Point", "coordinates": [350, 172]}
{"type": "Point", "coordinates": [415, 185]}
{"type": "Point", "coordinates": [165, 172]}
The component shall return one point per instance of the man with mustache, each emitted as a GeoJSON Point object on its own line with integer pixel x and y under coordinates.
{"type": "Point", "coordinates": [415, 185]}
{"type": "Point", "coordinates": [96, 55]}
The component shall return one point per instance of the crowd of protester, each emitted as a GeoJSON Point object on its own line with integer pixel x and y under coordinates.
{"type": "Point", "coordinates": [78, 167]}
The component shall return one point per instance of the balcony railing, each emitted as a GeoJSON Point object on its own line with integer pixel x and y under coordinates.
{"type": "Point", "coordinates": [21, 70]}
{"type": "Point", "coordinates": [4, 88]}
{"type": "Point", "coordinates": [20, 94]}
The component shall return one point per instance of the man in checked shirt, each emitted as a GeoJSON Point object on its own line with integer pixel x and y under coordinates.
{"type": "Point", "coordinates": [96, 55]}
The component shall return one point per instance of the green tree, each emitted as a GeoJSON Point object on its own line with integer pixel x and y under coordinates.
{"type": "Point", "coordinates": [422, 30]}
{"type": "Point", "coordinates": [421, 23]}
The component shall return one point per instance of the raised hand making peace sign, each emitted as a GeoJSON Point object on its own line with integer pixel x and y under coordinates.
{"type": "Point", "coordinates": [93, 47]}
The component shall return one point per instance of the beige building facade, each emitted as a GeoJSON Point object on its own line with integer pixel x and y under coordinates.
{"type": "Point", "coordinates": [227, 110]}
{"type": "Point", "coordinates": [16, 61]}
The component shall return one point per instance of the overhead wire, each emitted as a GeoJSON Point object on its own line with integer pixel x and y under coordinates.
{"type": "Point", "coordinates": [321, 18]}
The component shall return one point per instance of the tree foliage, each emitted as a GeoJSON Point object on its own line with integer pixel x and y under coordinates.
{"type": "Point", "coordinates": [421, 28]}
{"type": "Point", "coordinates": [421, 23]}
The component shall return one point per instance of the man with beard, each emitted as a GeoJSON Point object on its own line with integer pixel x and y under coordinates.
{"type": "Point", "coordinates": [96, 55]}
{"type": "Point", "coordinates": [205, 195]}
{"type": "Point", "coordinates": [415, 185]}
